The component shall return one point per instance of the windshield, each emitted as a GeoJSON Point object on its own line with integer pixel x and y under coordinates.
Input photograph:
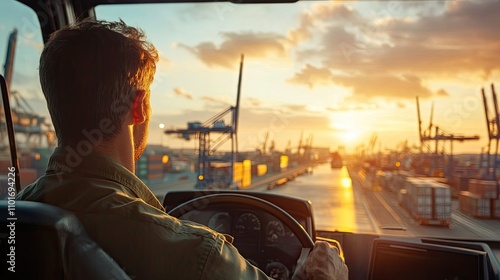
{"type": "Point", "coordinates": [341, 71]}
{"type": "Point", "coordinates": [365, 92]}
{"type": "Point", "coordinates": [20, 47]}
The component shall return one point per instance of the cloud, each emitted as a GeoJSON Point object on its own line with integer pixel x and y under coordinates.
{"type": "Point", "coordinates": [369, 85]}
{"type": "Point", "coordinates": [444, 44]}
{"type": "Point", "coordinates": [227, 54]}
{"type": "Point", "coordinates": [28, 39]}
{"type": "Point", "coordinates": [398, 53]}
{"type": "Point", "coordinates": [209, 100]}
{"type": "Point", "coordinates": [407, 86]}
{"type": "Point", "coordinates": [319, 14]}
{"type": "Point", "coordinates": [254, 101]}
{"type": "Point", "coordinates": [162, 71]}
{"type": "Point", "coordinates": [357, 107]}
{"type": "Point", "coordinates": [281, 121]}
{"type": "Point", "coordinates": [312, 76]}
{"type": "Point", "coordinates": [296, 108]}
{"type": "Point", "coordinates": [179, 92]}
{"type": "Point", "coordinates": [442, 92]}
{"type": "Point", "coordinates": [337, 47]}
{"type": "Point", "coordinates": [163, 61]}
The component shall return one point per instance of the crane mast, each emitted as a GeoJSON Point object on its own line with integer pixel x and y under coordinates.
{"type": "Point", "coordinates": [436, 134]}
{"type": "Point", "coordinates": [26, 120]}
{"type": "Point", "coordinates": [9, 59]}
{"type": "Point", "coordinates": [211, 135]}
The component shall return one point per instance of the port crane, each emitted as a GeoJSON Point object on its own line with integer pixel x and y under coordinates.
{"type": "Point", "coordinates": [304, 148]}
{"type": "Point", "coordinates": [26, 120]}
{"type": "Point", "coordinates": [493, 125]}
{"type": "Point", "coordinates": [437, 135]}
{"type": "Point", "coordinates": [211, 135]}
{"type": "Point", "coordinates": [263, 150]}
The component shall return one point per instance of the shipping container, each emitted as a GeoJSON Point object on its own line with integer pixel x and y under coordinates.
{"type": "Point", "coordinates": [495, 205]}
{"type": "Point", "coordinates": [483, 188]}
{"type": "Point", "coordinates": [473, 205]}
{"type": "Point", "coordinates": [427, 201]}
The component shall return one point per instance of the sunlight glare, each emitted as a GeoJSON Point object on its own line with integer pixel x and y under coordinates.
{"type": "Point", "coordinates": [345, 179]}
{"type": "Point", "coordinates": [350, 135]}
{"type": "Point", "coordinates": [347, 127]}
{"type": "Point", "coordinates": [346, 182]}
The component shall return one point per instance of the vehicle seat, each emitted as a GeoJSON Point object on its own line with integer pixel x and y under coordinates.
{"type": "Point", "coordinates": [50, 243]}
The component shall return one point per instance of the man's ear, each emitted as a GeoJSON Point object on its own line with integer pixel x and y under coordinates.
{"type": "Point", "coordinates": [140, 109]}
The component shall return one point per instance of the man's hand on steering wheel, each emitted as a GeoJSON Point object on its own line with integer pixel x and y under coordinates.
{"type": "Point", "coordinates": [323, 263]}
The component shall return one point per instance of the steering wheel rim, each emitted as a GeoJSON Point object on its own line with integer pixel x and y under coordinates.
{"type": "Point", "coordinates": [251, 202]}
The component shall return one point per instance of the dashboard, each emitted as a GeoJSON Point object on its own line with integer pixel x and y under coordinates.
{"type": "Point", "coordinates": [260, 237]}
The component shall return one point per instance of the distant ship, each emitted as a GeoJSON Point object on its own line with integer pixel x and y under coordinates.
{"type": "Point", "coordinates": [336, 160]}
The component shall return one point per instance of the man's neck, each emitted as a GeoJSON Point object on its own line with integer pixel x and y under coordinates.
{"type": "Point", "coordinates": [121, 151]}
{"type": "Point", "coordinates": [121, 148]}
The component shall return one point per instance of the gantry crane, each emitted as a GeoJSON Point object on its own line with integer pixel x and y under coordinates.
{"type": "Point", "coordinates": [208, 145]}
{"type": "Point", "coordinates": [493, 125]}
{"type": "Point", "coordinates": [438, 135]}
{"type": "Point", "coordinates": [263, 149]}
{"type": "Point", "coordinates": [26, 120]}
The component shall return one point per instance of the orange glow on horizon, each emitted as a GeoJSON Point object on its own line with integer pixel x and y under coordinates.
{"type": "Point", "coordinates": [347, 126]}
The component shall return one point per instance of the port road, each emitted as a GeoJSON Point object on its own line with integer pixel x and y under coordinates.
{"type": "Point", "coordinates": [187, 181]}
{"type": "Point", "coordinates": [345, 200]}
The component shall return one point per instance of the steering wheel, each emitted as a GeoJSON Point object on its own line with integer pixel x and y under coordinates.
{"type": "Point", "coordinates": [253, 203]}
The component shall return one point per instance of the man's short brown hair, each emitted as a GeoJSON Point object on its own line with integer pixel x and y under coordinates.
{"type": "Point", "coordinates": [90, 73]}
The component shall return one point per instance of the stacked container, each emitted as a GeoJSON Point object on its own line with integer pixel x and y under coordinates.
{"type": "Point", "coordinates": [442, 202]}
{"type": "Point", "coordinates": [460, 179]}
{"type": "Point", "coordinates": [473, 205]}
{"type": "Point", "coordinates": [149, 168]}
{"type": "Point", "coordinates": [397, 181]}
{"type": "Point", "coordinates": [481, 200]}
{"type": "Point", "coordinates": [428, 201]}
{"type": "Point", "coordinates": [495, 208]}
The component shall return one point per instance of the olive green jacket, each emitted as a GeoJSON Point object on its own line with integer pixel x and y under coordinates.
{"type": "Point", "coordinates": [122, 215]}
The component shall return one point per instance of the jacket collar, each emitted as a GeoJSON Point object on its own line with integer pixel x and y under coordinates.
{"type": "Point", "coordinates": [83, 161]}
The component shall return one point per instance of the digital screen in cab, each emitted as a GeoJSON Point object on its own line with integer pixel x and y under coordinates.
{"type": "Point", "coordinates": [401, 260]}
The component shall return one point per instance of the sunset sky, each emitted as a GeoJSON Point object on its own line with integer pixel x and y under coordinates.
{"type": "Point", "coordinates": [339, 71]}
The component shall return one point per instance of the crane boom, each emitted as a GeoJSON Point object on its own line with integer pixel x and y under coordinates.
{"type": "Point", "coordinates": [9, 59]}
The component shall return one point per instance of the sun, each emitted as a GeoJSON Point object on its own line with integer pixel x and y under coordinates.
{"type": "Point", "coordinates": [350, 135]}
{"type": "Point", "coordinates": [347, 127]}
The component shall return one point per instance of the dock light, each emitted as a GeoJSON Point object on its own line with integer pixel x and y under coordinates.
{"type": "Point", "coordinates": [398, 164]}
{"type": "Point", "coordinates": [200, 177]}
{"type": "Point", "coordinates": [161, 126]}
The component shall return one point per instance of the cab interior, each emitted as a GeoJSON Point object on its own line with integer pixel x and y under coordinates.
{"type": "Point", "coordinates": [54, 245]}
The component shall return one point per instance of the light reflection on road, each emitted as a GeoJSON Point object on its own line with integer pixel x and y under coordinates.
{"type": "Point", "coordinates": [335, 205]}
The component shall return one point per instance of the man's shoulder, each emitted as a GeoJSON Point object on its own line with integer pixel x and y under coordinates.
{"type": "Point", "coordinates": [63, 186]}
{"type": "Point", "coordinates": [95, 196]}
